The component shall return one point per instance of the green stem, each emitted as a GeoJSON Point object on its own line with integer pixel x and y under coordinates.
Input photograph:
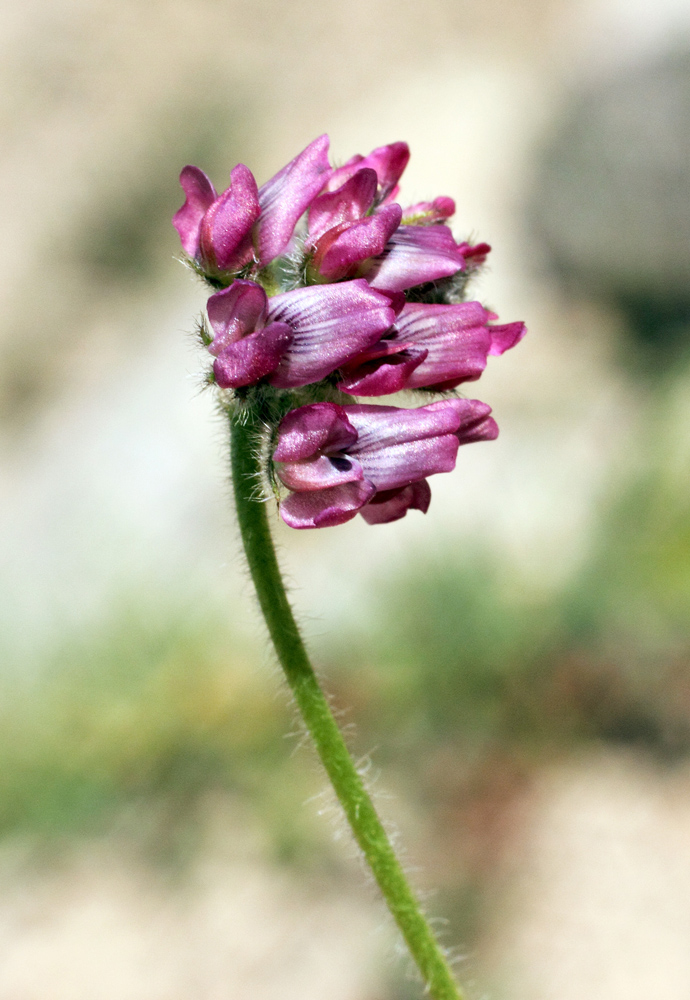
{"type": "Point", "coordinates": [335, 757]}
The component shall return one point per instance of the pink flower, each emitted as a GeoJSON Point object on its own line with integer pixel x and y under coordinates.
{"type": "Point", "coordinates": [351, 235]}
{"type": "Point", "coordinates": [295, 338]}
{"type": "Point", "coordinates": [339, 460]}
{"type": "Point", "coordinates": [432, 347]}
{"type": "Point", "coordinates": [342, 235]}
{"type": "Point", "coordinates": [354, 231]}
{"type": "Point", "coordinates": [388, 162]}
{"type": "Point", "coordinates": [224, 233]}
{"type": "Point", "coordinates": [415, 255]}
{"type": "Point", "coordinates": [426, 213]}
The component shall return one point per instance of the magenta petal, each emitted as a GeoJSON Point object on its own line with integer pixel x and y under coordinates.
{"type": "Point", "coordinates": [381, 426]}
{"type": "Point", "coordinates": [235, 312]}
{"type": "Point", "coordinates": [225, 237]}
{"type": "Point", "coordinates": [332, 324]}
{"type": "Point", "coordinates": [456, 337]}
{"type": "Point", "coordinates": [348, 204]}
{"type": "Point", "coordinates": [474, 255]}
{"type": "Point", "coordinates": [388, 162]}
{"type": "Point", "coordinates": [286, 197]}
{"type": "Point", "coordinates": [391, 505]}
{"type": "Point", "coordinates": [306, 431]}
{"type": "Point", "coordinates": [425, 213]}
{"type": "Point", "coordinates": [335, 256]}
{"type": "Point", "coordinates": [246, 361]}
{"type": "Point", "coordinates": [200, 194]}
{"type": "Point", "coordinates": [398, 446]}
{"type": "Point", "coordinates": [326, 508]}
{"type": "Point", "coordinates": [415, 255]}
{"type": "Point", "coordinates": [401, 464]}
{"type": "Point", "coordinates": [506, 336]}
{"type": "Point", "coordinates": [339, 175]}
{"type": "Point", "coordinates": [475, 422]}
{"type": "Point", "coordinates": [383, 376]}
{"type": "Point", "coordinates": [320, 472]}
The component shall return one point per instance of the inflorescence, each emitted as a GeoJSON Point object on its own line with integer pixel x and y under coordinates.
{"type": "Point", "coordinates": [325, 290]}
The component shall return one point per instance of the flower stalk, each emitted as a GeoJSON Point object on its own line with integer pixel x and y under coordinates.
{"type": "Point", "coordinates": [368, 830]}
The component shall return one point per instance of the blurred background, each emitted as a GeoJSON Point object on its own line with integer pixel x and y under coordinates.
{"type": "Point", "coordinates": [513, 669]}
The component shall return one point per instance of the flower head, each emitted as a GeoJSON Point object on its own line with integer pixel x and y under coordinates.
{"type": "Point", "coordinates": [330, 289]}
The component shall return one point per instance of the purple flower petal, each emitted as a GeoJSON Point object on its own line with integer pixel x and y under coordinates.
{"type": "Point", "coordinates": [380, 426]}
{"type": "Point", "coordinates": [396, 446]}
{"type": "Point", "coordinates": [200, 194]}
{"type": "Point", "coordinates": [383, 376]}
{"type": "Point", "coordinates": [225, 237]}
{"type": "Point", "coordinates": [391, 505]}
{"type": "Point", "coordinates": [424, 213]}
{"type": "Point", "coordinates": [475, 422]}
{"type": "Point", "coordinates": [320, 472]}
{"type": "Point", "coordinates": [388, 162]}
{"type": "Point", "coordinates": [326, 508]}
{"type": "Point", "coordinates": [415, 255]}
{"type": "Point", "coordinates": [331, 323]}
{"type": "Point", "coordinates": [286, 197]}
{"type": "Point", "coordinates": [347, 204]}
{"type": "Point", "coordinates": [245, 361]}
{"type": "Point", "coordinates": [475, 255]}
{"type": "Point", "coordinates": [401, 464]}
{"type": "Point", "coordinates": [506, 336]}
{"type": "Point", "coordinates": [456, 337]}
{"type": "Point", "coordinates": [344, 246]}
{"type": "Point", "coordinates": [235, 312]}
{"type": "Point", "coordinates": [308, 430]}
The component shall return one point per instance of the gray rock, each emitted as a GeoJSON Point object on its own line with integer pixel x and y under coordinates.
{"type": "Point", "coordinates": [611, 202]}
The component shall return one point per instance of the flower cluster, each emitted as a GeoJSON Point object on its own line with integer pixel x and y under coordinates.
{"type": "Point", "coordinates": [324, 281]}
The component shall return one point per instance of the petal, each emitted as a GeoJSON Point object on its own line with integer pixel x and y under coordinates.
{"type": "Point", "coordinates": [246, 361]}
{"type": "Point", "coordinates": [234, 312]}
{"type": "Point", "coordinates": [475, 422]}
{"type": "Point", "coordinates": [320, 472]}
{"type": "Point", "coordinates": [381, 426]}
{"type": "Point", "coordinates": [347, 245]}
{"type": "Point", "coordinates": [391, 505]}
{"type": "Point", "coordinates": [456, 337]}
{"type": "Point", "coordinates": [506, 336]}
{"type": "Point", "coordinates": [382, 376]}
{"type": "Point", "coordinates": [401, 464]}
{"type": "Point", "coordinates": [348, 203]}
{"type": "Point", "coordinates": [326, 508]}
{"type": "Point", "coordinates": [332, 324]}
{"type": "Point", "coordinates": [397, 446]}
{"type": "Point", "coordinates": [381, 349]}
{"type": "Point", "coordinates": [225, 237]}
{"type": "Point", "coordinates": [200, 194]}
{"type": "Point", "coordinates": [339, 175]}
{"type": "Point", "coordinates": [474, 255]}
{"type": "Point", "coordinates": [286, 197]}
{"type": "Point", "coordinates": [388, 162]}
{"type": "Point", "coordinates": [308, 430]}
{"type": "Point", "coordinates": [415, 255]}
{"type": "Point", "coordinates": [425, 213]}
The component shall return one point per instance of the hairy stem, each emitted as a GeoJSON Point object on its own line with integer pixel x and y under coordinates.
{"type": "Point", "coordinates": [313, 704]}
